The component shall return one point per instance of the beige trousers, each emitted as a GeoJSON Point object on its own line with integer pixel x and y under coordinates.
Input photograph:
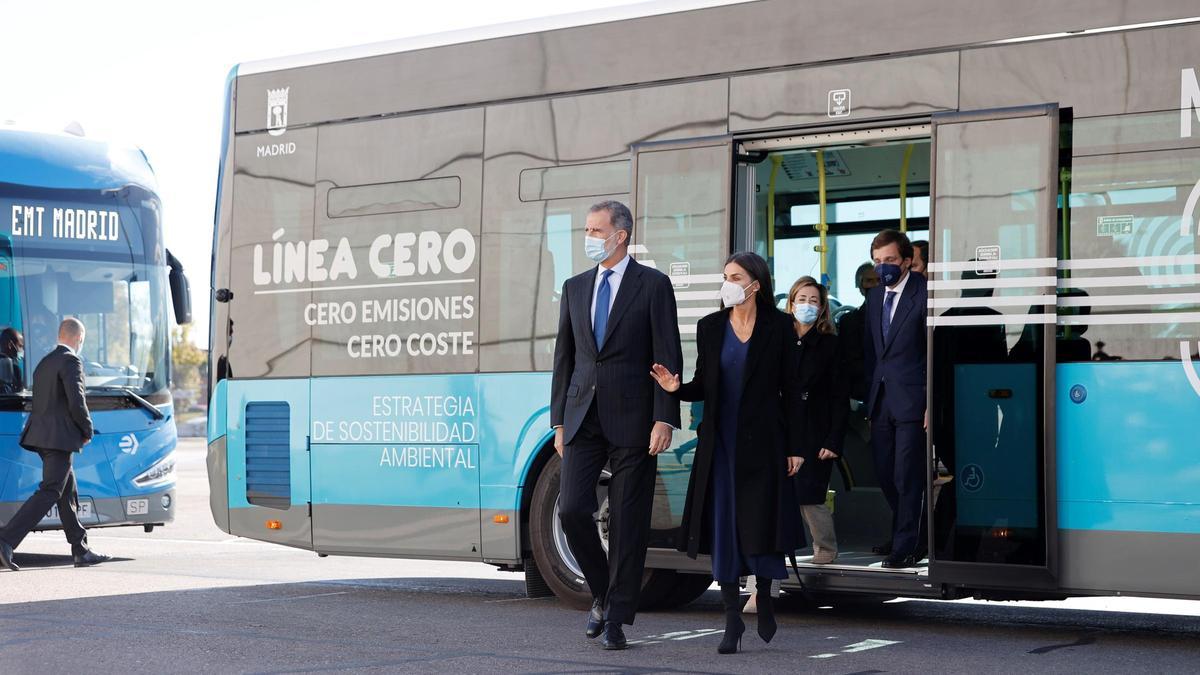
{"type": "Point", "coordinates": [820, 525]}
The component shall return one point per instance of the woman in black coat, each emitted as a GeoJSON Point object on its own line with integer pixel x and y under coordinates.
{"type": "Point", "coordinates": [741, 504]}
{"type": "Point", "coordinates": [825, 392]}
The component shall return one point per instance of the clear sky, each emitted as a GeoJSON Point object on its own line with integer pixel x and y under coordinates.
{"type": "Point", "coordinates": [153, 74]}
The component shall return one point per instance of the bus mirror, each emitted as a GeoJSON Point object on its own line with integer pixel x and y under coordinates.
{"type": "Point", "coordinates": [181, 291]}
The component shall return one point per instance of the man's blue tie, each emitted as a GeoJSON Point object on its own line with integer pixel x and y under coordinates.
{"type": "Point", "coordinates": [888, 302]}
{"type": "Point", "coordinates": [600, 320]}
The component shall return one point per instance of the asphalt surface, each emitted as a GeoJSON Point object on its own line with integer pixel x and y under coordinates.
{"type": "Point", "coordinates": [190, 598]}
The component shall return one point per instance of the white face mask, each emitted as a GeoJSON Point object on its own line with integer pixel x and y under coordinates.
{"type": "Point", "coordinates": [596, 249]}
{"type": "Point", "coordinates": [732, 294]}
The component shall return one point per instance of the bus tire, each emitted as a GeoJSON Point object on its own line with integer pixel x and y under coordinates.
{"type": "Point", "coordinates": [569, 586]}
{"type": "Point", "coordinates": [561, 574]}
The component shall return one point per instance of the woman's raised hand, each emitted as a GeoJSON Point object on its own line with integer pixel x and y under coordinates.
{"type": "Point", "coordinates": [664, 378]}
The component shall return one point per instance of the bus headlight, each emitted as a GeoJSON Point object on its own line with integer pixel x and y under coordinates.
{"type": "Point", "coordinates": [162, 472]}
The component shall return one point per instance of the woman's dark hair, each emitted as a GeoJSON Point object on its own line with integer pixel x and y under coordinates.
{"type": "Point", "coordinates": [758, 270]}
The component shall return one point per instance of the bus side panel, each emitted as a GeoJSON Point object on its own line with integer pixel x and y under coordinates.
{"type": "Point", "coordinates": [395, 463]}
{"type": "Point", "coordinates": [514, 426]}
{"type": "Point", "coordinates": [1128, 486]}
{"type": "Point", "coordinates": [287, 505]}
{"type": "Point", "coordinates": [218, 460]}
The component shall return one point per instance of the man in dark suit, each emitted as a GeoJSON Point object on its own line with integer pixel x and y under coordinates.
{"type": "Point", "coordinates": [58, 427]}
{"type": "Point", "coordinates": [851, 327]}
{"type": "Point", "coordinates": [894, 360]}
{"type": "Point", "coordinates": [615, 321]}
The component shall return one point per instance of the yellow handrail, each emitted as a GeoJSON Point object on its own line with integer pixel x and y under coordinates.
{"type": "Point", "coordinates": [822, 224]}
{"type": "Point", "coordinates": [908, 151]}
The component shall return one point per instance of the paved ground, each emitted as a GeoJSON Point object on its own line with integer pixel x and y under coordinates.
{"type": "Point", "coordinates": [189, 598]}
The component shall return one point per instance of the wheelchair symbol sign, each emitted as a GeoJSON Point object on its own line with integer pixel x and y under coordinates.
{"type": "Point", "coordinates": [972, 478]}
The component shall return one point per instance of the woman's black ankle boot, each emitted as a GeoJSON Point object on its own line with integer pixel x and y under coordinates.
{"type": "Point", "coordinates": [766, 610]}
{"type": "Point", "coordinates": [734, 626]}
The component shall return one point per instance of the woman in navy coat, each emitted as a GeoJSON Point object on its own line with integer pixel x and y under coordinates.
{"type": "Point", "coordinates": [741, 505]}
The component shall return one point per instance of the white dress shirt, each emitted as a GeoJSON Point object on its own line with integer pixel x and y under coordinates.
{"type": "Point", "coordinates": [614, 282]}
{"type": "Point", "coordinates": [899, 290]}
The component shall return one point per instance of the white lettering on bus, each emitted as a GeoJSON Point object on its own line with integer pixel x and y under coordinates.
{"type": "Point", "coordinates": [427, 457]}
{"type": "Point", "coordinates": [1189, 101]}
{"type": "Point", "coordinates": [453, 343]}
{"type": "Point", "coordinates": [388, 256]}
{"type": "Point", "coordinates": [27, 220]}
{"type": "Point", "coordinates": [84, 224]}
{"type": "Point", "coordinates": [275, 149]}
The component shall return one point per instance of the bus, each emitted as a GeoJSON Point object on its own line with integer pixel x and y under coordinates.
{"type": "Point", "coordinates": [82, 237]}
{"type": "Point", "coordinates": [389, 253]}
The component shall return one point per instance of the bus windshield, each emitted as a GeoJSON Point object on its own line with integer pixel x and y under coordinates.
{"type": "Point", "coordinates": [92, 257]}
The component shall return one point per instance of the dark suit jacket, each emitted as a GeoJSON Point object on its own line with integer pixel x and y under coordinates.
{"type": "Point", "coordinates": [768, 433]}
{"type": "Point", "coordinates": [852, 326]}
{"type": "Point", "coordinates": [898, 367]}
{"type": "Point", "coordinates": [60, 418]}
{"type": "Point", "coordinates": [643, 329]}
{"type": "Point", "coordinates": [825, 405]}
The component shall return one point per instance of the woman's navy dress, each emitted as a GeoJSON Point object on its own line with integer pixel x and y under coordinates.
{"type": "Point", "coordinates": [728, 563]}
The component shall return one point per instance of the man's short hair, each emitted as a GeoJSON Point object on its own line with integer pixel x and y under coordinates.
{"type": "Point", "coordinates": [888, 237]}
{"type": "Point", "coordinates": [618, 215]}
{"type": "Point", "coordinates": [71, 328]}
{"type": "Point", "coordinates": [9, 334]}
{"type": "Point", "coordinates": [862, 269]}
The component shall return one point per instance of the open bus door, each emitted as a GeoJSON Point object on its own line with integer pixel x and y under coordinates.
{"type": "Point", "coordinates": [681, 211]}
{"type": "Point", "coordinates": [993, 248]}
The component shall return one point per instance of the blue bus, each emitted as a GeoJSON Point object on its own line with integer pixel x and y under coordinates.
{"type": "Point", "coordinates": [395, 222]}
{"type": "Point", "coordinates": [82, 236]}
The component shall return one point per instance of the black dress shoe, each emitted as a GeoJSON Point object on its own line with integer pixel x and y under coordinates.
{"type": "Point", "coordinates": [882, 549]}
{"type": "Point", "coordinates": [614, 636]}
{"type": "Point", "coordinates": [595, 624]}
{"type": "Point", "coordinates": [900, 561]}
{"type": "Point", "coordinates": [6, 554]}
{"type": "Point", "coordinates": [90, 558]}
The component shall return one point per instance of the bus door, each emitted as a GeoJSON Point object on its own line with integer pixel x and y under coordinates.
{"type": "Point", "coordinates": [681, 209]}
{"type": "Point", "coordinates": [992, 279]}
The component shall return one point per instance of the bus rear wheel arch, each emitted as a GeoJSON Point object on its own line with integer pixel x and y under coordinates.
{"type": "Point", "coordinates": [557, 565]}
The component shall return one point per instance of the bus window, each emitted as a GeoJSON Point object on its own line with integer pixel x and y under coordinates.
{"type": "Point", "coordinates": [1129, 188]}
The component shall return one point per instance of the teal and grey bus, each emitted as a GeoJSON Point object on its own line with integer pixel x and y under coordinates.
{"type": "Point", "coordinates": [394, 224]}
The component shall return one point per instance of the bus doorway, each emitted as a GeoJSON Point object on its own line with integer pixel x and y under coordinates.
{"type": "Point", "coordinates": [811, 205]}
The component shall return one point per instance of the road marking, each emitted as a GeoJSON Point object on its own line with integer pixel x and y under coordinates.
{"type": "Point", "coordinates": [677, 636]}
{"type": "Point", "coordinates": [863, 646]}
{"type": "Point", "coordinates": [868, 644]}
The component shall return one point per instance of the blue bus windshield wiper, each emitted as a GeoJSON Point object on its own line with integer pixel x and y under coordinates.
{"type": "Point", "coordinates": [132, 396]}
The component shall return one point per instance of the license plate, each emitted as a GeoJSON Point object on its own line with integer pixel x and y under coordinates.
{"type": "Point", "coordinates": [86, 513]}
{"type": "Point", "coordinates": [137, 507]}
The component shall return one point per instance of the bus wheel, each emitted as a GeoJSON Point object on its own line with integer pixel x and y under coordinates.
{"type": "Point", "coordinates": [554, 559]}
{"type": "Point", "coordinates": [556, 563]}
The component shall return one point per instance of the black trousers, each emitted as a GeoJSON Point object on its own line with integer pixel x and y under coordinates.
{"type": "Point", "coordinates": [57, 487]}
{"type": "Point", "coordinates": [616, 579]}
{"type": "Point", "coordinates": [899, 449]}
